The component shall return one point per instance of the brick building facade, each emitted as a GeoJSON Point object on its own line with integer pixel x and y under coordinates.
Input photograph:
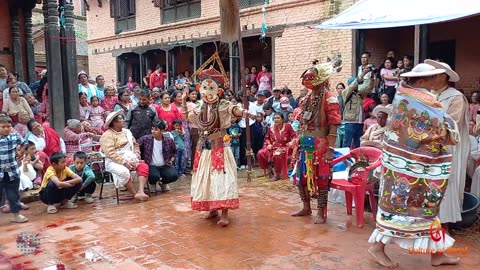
{"type": "Point", "coordinates": [290, 46]}
{"type": "Point", "coordinates": [149, 34]}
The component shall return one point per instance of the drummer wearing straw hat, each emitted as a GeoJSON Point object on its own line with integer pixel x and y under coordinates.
{"type": "Point", "coordinates": [455, 104]}
{"type": "Point", "coordinates": [415, 178]}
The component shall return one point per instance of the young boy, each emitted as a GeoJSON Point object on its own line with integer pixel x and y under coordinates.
{"type": "Point", "coordinates": [178, 136]}
{"type": "Point", "coordinates": [31, 152]}
{"type": "Point", "coordinates": [258, 133]}
{"type": "Point", "coordinates": [81, 168]}
{"type": "Point", "coordinates": [9, 172]}
{"type": "Point", "coordinates": [59, 185]}
{"type": "Point", "coordinates": [235, 131]}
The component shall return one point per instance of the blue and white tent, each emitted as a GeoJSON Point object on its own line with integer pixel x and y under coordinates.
{"type": "Point", "coordinates": [370, 14]}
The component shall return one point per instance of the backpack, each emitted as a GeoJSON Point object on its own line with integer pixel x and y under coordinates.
{"type": "Point", "coordinates": [351, 108]}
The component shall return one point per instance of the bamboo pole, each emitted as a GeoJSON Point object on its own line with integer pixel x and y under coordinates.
{"type": "Point", "coordinates": [230, 32]}
{"type": "Point", "coordinates": [249, 152]}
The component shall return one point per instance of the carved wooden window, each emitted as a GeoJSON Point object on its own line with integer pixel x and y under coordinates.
{"type": "Point", "coordinates": [124, 13]}
{"type": "Point", "coordinates": [180, 10]}
{"type": "Point", "coordinates": [251, 3]}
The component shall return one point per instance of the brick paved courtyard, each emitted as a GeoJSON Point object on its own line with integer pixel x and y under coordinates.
{"type": "Point", "coordinates": [164, 233]}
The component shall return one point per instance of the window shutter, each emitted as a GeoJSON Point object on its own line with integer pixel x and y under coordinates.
{"type": "Point", "coordinates": [131, 7]}
{"type": "Point", "coordinates": [112, 8]}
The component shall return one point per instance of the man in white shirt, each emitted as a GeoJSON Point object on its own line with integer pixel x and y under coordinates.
{"type": "Point", "coordinates": [253, 109]}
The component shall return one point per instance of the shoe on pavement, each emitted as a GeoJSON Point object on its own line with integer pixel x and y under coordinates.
{"type": "Point", "coordinates": [88, 198]}
{"type": "Point", "coordinates": [153, 188]}
{"type": "Point", "coordinates": [74, 199]}
{"type": "Point", "coordinates": [19, 219]}
{"type": "Point", "coordinates": [243, 167]}
{"type": "Point", "coordinates": [52, 209]}
{"type": "Point", "coordinates": [165, 187]}
{"type": "Point", "coordinates": [68, 205]}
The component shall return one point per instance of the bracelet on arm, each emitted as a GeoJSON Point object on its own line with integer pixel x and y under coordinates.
{"type": "Point", "coordinates": [332, 134]}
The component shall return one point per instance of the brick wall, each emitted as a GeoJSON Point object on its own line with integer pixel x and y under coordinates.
{"type": "Point", "coordinates": [294, 50]}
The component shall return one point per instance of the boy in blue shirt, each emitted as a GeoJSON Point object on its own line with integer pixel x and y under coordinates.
{"type": "Point", "coordinates": [81, 168]}
{"type": "Point", "coordinates": [178, 136]}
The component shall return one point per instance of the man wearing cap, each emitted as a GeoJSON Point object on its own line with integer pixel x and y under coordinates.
{"type": "Point", "coordinates": [374, 135]}
{"type": "Point", "coordinates": [455, 104]}
{"type": "Point", "coordinates": [353, 113]}
{"type": "Point", "coordinates": [277, 94]}
{"type": "Point", "coordinates": [415, 171]}
{"type": "Point", "coordinates": [283, 107]}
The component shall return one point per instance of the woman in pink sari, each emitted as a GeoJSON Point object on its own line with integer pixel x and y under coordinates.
{"type": "Point", "coordinates": [277, 144]}
{"type": "Point", "coordinates": [264, 79]}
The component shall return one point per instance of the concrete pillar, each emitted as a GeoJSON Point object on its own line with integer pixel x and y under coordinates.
{"type": "Point", "coordinates": [69, 64]}
{"type": "Point", "coordinates": [54, 60]}
{"type": "Point", "coordinates": [29, 46]}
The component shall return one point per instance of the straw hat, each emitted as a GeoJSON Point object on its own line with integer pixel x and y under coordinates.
{"type": "Point", "coordinates": [453, 76]}
{"type": "Point", "coordinates": [110, 118]}
{"type": "Point", "coordinates": [380, 109]}
{"type": "Point", "coordinates": [423, 70]}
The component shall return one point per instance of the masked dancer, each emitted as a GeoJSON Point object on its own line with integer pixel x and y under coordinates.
{"type": "Point", "coordinates": [214, 175]}
{"type": "Point", "coordinates": [319, 120]}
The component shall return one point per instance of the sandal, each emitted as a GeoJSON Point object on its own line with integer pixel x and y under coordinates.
{"type": "Point", "coordinates": [5, 209]}
{"type": "Point", "coordinates": [24, 206]}
{"type": "Point", "coordinates": [19, 219]}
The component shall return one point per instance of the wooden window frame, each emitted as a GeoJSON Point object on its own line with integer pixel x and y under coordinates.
{"type": "Point", "coordinates": [174, 4]}
{"type": "Point", "coordinates": [123, 10]}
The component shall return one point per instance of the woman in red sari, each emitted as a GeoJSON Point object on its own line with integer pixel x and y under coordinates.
{"type": "Point", "coordinates": [46, 140]}
{"type": "Point", "coordinates": [277, 144]}
{"type": "Point", "coordinates": [167, 111]}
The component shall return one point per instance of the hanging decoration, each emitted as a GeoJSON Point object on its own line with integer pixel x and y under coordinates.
{"type": "Point", "coordinates": [264, 29]}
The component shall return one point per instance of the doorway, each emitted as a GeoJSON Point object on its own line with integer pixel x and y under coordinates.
{"type": "Point", "coordinates": [444, 51]}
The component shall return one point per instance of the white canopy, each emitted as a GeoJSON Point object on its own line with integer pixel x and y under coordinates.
{"type": "Point", "coordinates": [367, 14]}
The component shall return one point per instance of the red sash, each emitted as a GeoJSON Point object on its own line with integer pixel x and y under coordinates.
{"type": "Point", "coordinates": [52, 141]}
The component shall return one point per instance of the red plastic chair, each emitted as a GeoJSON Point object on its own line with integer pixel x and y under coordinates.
{"type": "Point", "coordinates": [358, 191]}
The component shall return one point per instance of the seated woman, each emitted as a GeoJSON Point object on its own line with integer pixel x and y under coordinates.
{"type": "Point", "coordinates": [46, 140]}
{"type": "Point", "coordinates": [74, 136]}
{"type": "Point", "coordinates": [16, 104]}
{"type": "Point", "coordinates": [374, 135]}
{"type": "Point", "coordinates": [277, 144]}
{"type": "Point", "coordinates": [122, 155]}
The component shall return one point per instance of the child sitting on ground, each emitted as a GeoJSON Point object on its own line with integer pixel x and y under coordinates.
{"type": "Point", "coordinates": [10, 142]}
{"type": "Point", "coordinates": [178, 136]}
{"type": "Point", "coordinates": [81, 168]}
{"type": "Point", "coordinates": [31, 152]}
{"type": "Point", "coordinates": [59, 185]}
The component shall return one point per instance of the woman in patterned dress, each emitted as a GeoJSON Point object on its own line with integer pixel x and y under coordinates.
{"type": "Point", "coordinates": [416, 167]}
{"type": "Point", "coordinates": [214, 175]}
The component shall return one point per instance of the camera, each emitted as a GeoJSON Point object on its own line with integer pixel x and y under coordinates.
{"type": "Point", "coordinates": [372, 67]}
